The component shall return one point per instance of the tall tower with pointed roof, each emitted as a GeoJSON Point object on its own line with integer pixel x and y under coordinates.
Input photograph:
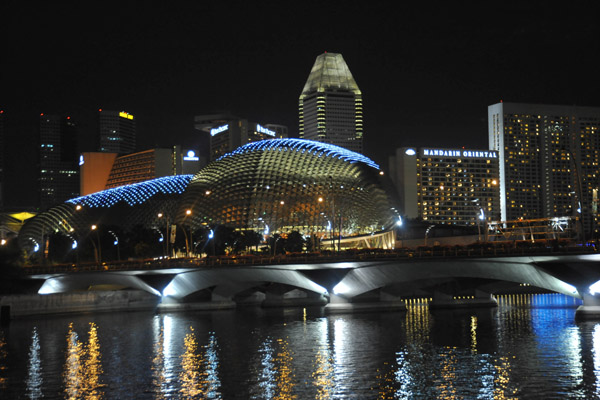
{"type": "Point", "coordinates": [330, 105]}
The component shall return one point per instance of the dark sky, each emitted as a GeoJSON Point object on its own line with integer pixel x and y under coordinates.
{"type": "Point", "coordinates": [427, 73]}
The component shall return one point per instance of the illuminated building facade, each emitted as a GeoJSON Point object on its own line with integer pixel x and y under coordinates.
{"type": "Point", "coordinates": [330, 105]}
{"type": "Point", "coordinates": [100, 171]}
{"type": "Point", "coordinates": [291, 184]}
{"type": "Point", "coordinates": [447, 186]}
{"type": "Point", "coordinates": [549, 160]}
{"type": "Point", "coordinates": [273, 186]}
{"type": "Point", "coordinates": [116, 132]}
{"type": "Point", "coordinates": [228, 132]}
{"type": "Point", "coordinates": [59, 174]}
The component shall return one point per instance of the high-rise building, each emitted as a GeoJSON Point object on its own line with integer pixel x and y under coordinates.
{"type": "Point", "coordinates": [447, 186]}
{"type": "Point", "coordinates": [116, 132]}
{"type": "Point", "coordinates": [59, 173]}
{"type": "Point", "coordinates": [330, 106]}
{"type": "Point", "coordinates": [549, 161]}
{"type": "Point", "coordinates": [228, 132]}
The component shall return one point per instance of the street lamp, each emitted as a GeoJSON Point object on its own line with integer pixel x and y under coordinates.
{"type": "Point", "coordinates": [168, 237]}
{"type": "Point", "coordinates": [97, 248]}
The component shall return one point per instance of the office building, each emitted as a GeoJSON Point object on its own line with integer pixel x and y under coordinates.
{"type": "Point", "coordinates": [447, 186]}
{"type": "Point", "coordinates": [330, 105]}
{"type": "Point", "coordinates": [100, 171]}
{"type": "Point", "coordinates": [58, 171]}
{"type": "Point", "coordinates": [116, 132]}
{"type": "Point", "coordinates": [228, 132]}
{"type": "Point", "coordinates": [549, 161]}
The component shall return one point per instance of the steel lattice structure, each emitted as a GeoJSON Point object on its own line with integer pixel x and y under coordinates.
{"type": "Point", "coordinates": [290, 184]}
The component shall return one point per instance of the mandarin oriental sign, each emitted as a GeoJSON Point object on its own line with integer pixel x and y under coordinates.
{"type": "Point", "coordinates": [460, 153]}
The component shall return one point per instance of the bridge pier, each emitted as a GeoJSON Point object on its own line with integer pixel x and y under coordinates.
{"type": "Point", "coordinates": [281, 296]}
{"type": "Point", "coordinates": [590, 309]}
{"type": "Point", "coordinates": [480, 299]}
{"type": "Point", "coordinates": [384, 301]}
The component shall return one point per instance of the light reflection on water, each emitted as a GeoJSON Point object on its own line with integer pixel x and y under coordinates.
{"type": "Point", "coordinates": [528, 347]}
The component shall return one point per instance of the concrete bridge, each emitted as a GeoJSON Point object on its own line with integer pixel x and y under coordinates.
{"type": "Point", "coordinates": [449, 280]}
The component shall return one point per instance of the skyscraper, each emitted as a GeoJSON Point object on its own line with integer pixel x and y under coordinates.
{"type": "Point", "coordinates": [330, 106]}
{"type": "Point", "coordinates": [116, 132]}
{"type": "Point", "coordinates": [59, 172]}
{"type": "Point", "coordinates": [549, 161]}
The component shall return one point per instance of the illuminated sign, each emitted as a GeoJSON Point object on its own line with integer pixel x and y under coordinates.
{"type": "Point", "coordinates": [264, 130]}
{"type": "Point", "coordinates": [219, 129]}
{"type": "Point", "coordinates": [191, 156]}
{"type": "Point", "coordinates": [125, 115]}
{"type": "Point", "coordinates": [81, 161]}
{"type": "Point", "coordinates": [410, 152]}
{"type": "Point", "coordinates": [461, 153]}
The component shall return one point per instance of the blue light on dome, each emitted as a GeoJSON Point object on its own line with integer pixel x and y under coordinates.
{"type": "Point", "coordinates": [136, 193]}
{"type": "Point", "coordinates": [317, 148]}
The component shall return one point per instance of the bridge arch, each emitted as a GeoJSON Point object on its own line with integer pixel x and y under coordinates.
{"type": "Point", "coordinates": [367, 278]}
{"type": "Point", "coordinates": [232, 281]}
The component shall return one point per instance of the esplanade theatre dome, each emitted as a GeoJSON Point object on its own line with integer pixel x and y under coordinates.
{"type": "Point", "coordinates": [271, 186]}
{"type": "Point", "coordinates": [282, 185]}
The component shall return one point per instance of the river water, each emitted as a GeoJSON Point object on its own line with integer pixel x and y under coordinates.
{"type": "Point", "coordinates": [529, 347]}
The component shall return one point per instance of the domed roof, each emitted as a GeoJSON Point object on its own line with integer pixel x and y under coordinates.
{"type": "Point", "coordinates": [290, 184]}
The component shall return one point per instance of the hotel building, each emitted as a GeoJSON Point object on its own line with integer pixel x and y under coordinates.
{"type": "Point", "coordinates": [228, 132]}
{"type": "Point", "coordinates": [447, 186]}
{"type": "Point", "coordinates": [549, 161]}
{"type": "Point", "coordinates": [330, 105]}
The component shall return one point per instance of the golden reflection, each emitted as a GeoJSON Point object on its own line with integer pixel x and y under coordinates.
{"type": "Point", "coordinates": [199, 377]}
{"type": "Point", "coordinates": [323, 376]}
{"type": "Point", "coordinates": [502, 380]}
{"type": "Point", "coordinates": [3, 366]}
{"type": "Point", "coordinates": [34, 371]}
{"type": "Point", "coordinates": [386, 383]}
{"type": "Point", "coordinates": [283, 360]}
{"type": "Point", "coordinates": [93, 365]}
{"type": "Point", "coordinates": [83, 366]}
{"type": "Point", "coordinates": [474, 334]}
{"type": "Point", "coordinates": [446, 389]}
{"type": "Point", "coordinates": [417, 321]}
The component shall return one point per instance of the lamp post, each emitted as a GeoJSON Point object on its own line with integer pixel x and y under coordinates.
{"type": "Point", "coordinates": [167, 239]}
{"type": "Point", "coordinates": [188, 212]}
{"type": "Point", "coordinates": [97, 249]}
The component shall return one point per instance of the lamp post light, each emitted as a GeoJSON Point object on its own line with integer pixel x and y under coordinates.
{"type": "Point", "coordinates": [188, 212]}
{"type": "Point", "coordinates": [166, 245]}
{"type": "Point", "coordinates": [116, 243]}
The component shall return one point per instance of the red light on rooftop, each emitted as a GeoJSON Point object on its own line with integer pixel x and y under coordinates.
{"type": "Point", "coordinates": [41, 114]}
{"type": "Point", "coordinates": [99, 110]}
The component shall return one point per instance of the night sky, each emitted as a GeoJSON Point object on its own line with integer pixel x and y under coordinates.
{"type": "Point", "coordinates": [427, 73]}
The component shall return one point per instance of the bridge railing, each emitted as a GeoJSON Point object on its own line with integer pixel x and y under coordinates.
{"type": "Point", "coordinates": [307, 258]}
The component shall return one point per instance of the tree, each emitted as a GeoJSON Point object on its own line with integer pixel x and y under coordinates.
{"type": "Point", "coordinates": [294, 242]}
